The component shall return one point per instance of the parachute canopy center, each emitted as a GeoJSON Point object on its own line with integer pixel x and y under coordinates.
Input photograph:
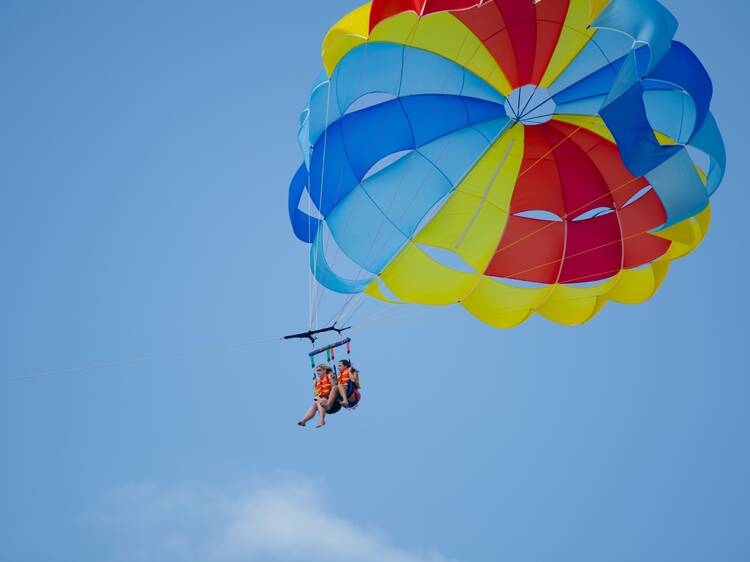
{"type": "Point", "coordinates": [530, 105]}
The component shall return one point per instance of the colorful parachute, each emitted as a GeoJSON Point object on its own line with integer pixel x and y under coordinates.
{"type": "Point", "coordinates": [513, 156]}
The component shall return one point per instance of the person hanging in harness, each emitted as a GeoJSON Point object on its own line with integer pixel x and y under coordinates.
{"type": "Point", "coordinates": [325, 396]}
{"type": "Point", "coordinates": [347, 387]}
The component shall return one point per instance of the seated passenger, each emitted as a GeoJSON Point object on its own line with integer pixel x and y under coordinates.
{"type": "Point", "coordinates": [348, 385]}
{"type": "Point", "coordinates": [325, 396]}
{"type": "Point", "coordinates": [345, 386]}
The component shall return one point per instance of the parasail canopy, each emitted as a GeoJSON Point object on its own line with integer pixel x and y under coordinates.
{"type": "Point", "coordinates": [515, 157]}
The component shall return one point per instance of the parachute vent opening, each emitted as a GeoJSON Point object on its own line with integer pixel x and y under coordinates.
{"type": "Point", "coordinates": [386, 161]}
{"type": "Point", "coordinates": [594, 213]}
{"type": "Point", "coordinates": [701, 159]}
{"type": "Point", "coordinates": [539, 215]}
{"type": "Point", "coordinates": [308, 206]}
{"type": "Point", "coordinates": [339, 262]}
{"type": "Point", "coordinates": [387, 293]}
{"type": "Point", "coordinates": [640, 195]}
{"type": "Point", "coordinates": [369, 100]}
{"type": "Point", "coordinates": [447, 258]}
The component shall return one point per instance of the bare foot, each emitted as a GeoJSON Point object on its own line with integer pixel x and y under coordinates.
{"type": "Point", "coordinates": [301, 423]}
{"type": "Point", "coordinates": [321, 424]}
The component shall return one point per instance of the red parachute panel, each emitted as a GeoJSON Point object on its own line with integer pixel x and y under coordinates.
{"type": "Point", "coordinates": [583, 187]}
{"type": "Point", "coordinates": [531, 250]}
{"type": "Point", "coordinates": [593, 250]}
{"type": "Point", "coordinates": [570, 172]}
{"type": "Point", "coordinates": [530, 31]}
{"type": "Point", "coordinates": [538, 186]}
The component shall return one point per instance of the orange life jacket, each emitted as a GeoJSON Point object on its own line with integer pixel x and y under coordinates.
{"type": "Point", "coordinates": [323, 386]}
{"type": "Point", "coordinates": [344, 376]}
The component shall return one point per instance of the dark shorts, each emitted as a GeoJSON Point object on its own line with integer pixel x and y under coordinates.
{"type": "Point", "coordinates": [349, 388]}
{"type": "Point", "coordinates": [335, 407]}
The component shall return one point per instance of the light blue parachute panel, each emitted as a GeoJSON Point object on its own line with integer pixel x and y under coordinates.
{"type": "Point", "coordinates": [646, 21]}
{"type": "Point", "coordinates": [671, 112]}
{"type": "Point", "coordinates": [424, 72]}
{"type": "Point", "coordinates": [454, 155]}
{"type": "Point", "coordinates": [602, 50]}
{"type": "Point", "coordinates": [325, 275]}
{"type": "Point", "coordinates": [364, 232]}
{"type": "Point", "coordinates": [310, 117]}
{"type": "Point", "coordinates": [369, 68]}
{"type": "Point", "coordinates": [323, 111]}
{"type": "Point", "coordinates": [708, 140]}
{"type": "Point", "coordinates": [599, 83]}
{"type": "Point", "coordinates": [586, 106]}
{"type": "Point", "coordinates": [397, 70]}
{"type": "Point", "coordinates": [679, 187]}
{"type": "Point", "coordinates": [407, 190]}
{"type": "Point", "coordinates": [494, 129]}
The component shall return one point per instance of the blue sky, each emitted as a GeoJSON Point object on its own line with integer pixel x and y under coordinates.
{"type": "Point", "coordinates": [146, 152]}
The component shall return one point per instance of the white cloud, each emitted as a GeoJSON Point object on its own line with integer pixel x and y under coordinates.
{"type": "Point", "coordinates": [289, 521]}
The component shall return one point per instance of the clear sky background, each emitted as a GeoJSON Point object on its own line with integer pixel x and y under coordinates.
{"type": "Point", "coordinates": [145, 154]}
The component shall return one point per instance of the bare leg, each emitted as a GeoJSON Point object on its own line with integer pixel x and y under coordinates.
{"type": "Point", "coordinates": [342, 392]}
{"type": "Point", "coordinates": [310, 414]}
{"type": "Point", "coordinates": [322, 411]}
